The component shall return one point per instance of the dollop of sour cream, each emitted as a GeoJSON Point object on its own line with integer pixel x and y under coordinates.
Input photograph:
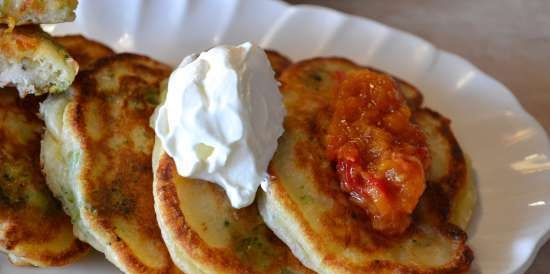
{"type": "Point", "coordinates": [221, 119]}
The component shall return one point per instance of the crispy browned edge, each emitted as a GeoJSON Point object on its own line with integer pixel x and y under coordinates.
{"type": "Point", "coordinates": [84, 50]}
{"type": "Point", "coordinates": [29, 36]}
{"type": "Point", "coordinates": [456, 178]}
{"type": "Point", "coordinates": [278, 61]}
{"type": "Point", "coordinates": [15, 233]}
{"type": "Point", "coordinates": [79, 249]}
{"type": "Point", "coordinates": [42, 259]}
{"type": "Point", "coordinates": [414, 101]}
{"type": "Point", "coordinates": [459, 264]}
{"type": "Point", "coordinates": [86, 82]}
{"type": "Point", "coordinates": [174, 220]}
{"type": "Point", "coordinates": [185, 236]}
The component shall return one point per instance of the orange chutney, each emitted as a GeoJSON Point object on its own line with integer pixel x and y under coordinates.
{"type": "Point", "coordinates": [380, 155]}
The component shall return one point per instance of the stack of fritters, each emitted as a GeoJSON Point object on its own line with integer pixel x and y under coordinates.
{"type": "Point", "coordinates": [96, 157]}
{"type": "Point", "coordinates": [33, 227]}
{"type": "Point", "coordinates": [35, 230]}
{"type": "Point", "coordinates": [304, 205]}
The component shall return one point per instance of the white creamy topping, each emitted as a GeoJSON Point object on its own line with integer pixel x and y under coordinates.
{"type": "Point", "coordinates": [221, 119]}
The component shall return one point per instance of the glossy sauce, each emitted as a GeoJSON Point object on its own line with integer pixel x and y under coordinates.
{"type": "Point", "coordinates": [380, 155]}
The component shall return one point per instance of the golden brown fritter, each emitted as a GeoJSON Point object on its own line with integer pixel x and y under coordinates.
{"type": "Point", "coordinates": [33, 227]}
{"type": "Point", "coordinates": [206, 235]}
{"type": "Point", "coordinates": [305, 207]}
{"type": "Point", "coordinates": [203, 231]}
{"type": "Point", "coordinates": [97, 159]}
{"type": "Point", "coordinates": [83, 50]}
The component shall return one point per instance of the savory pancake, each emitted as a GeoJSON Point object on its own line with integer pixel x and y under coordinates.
{"type": "Point", "coordinates": [33, 227]}
{"type": "Point", "coordinates": [96, 154]}
{"type": "Point", "coordinates": [306, 208]}
{"type": "Point", "coordinates": [206, 235]}
{"type": "Point", "coordinates": [20, 12]}
{"type": "Point", "coordinates": [83, 50]}
{"type": "Point", "coordinates": [278, 61]}
{"type": "Point", "coordinates": [31, 61]}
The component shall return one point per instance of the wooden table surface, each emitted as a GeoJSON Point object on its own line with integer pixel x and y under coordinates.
{"type": "Point", "coordinates": [508, 39]}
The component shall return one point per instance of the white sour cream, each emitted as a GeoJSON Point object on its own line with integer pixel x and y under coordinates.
{"type": "Point", "coordinates": [221, 119]}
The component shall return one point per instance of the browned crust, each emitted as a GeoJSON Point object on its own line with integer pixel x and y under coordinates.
{"type": "Point", "coordinates": [224, 260]}
{"type": "Point", "coordinates": [412, 95]}
{"type": "Point", "coordinates": [459, 264]}
{"type": "Point", "coordinates": [307, 104]}
{"type": "Point", "coordinates": [125, 190]}
{"type": "Point", "coordinates": [22, 40]}
{"type": "Point", "coordinates": [184, 236]}
{"type": "Point", "coordinates": [278, 61]}
{"type": "Point", "coordinates": [24, 243]}
{"type": "Point", "coordinates": [301, 65]}
{"type": "Point", "coordinates": [85, 51]}
{"type": "Point", "coordinates": [31, 43]}
{"type": "Point", "coordinates": [443, 191]}
{"type": "Point", "coordinates": [26, 229]}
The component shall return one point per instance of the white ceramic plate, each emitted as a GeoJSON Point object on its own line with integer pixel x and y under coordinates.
{"type": "Point", "coordinates": [508, 148]}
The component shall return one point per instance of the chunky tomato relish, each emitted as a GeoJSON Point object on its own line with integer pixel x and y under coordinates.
{"type": "Point", "coordinates": [380, 154]}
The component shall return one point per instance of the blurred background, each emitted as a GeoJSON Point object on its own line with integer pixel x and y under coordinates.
{"type": "Point", "coordinates": [508, 39]}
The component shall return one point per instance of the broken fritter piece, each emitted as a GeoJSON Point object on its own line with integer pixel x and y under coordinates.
{"type": "Point", "coordinates": [32, 62]}
{"type": "Point", "coordinates": [22, 12]}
